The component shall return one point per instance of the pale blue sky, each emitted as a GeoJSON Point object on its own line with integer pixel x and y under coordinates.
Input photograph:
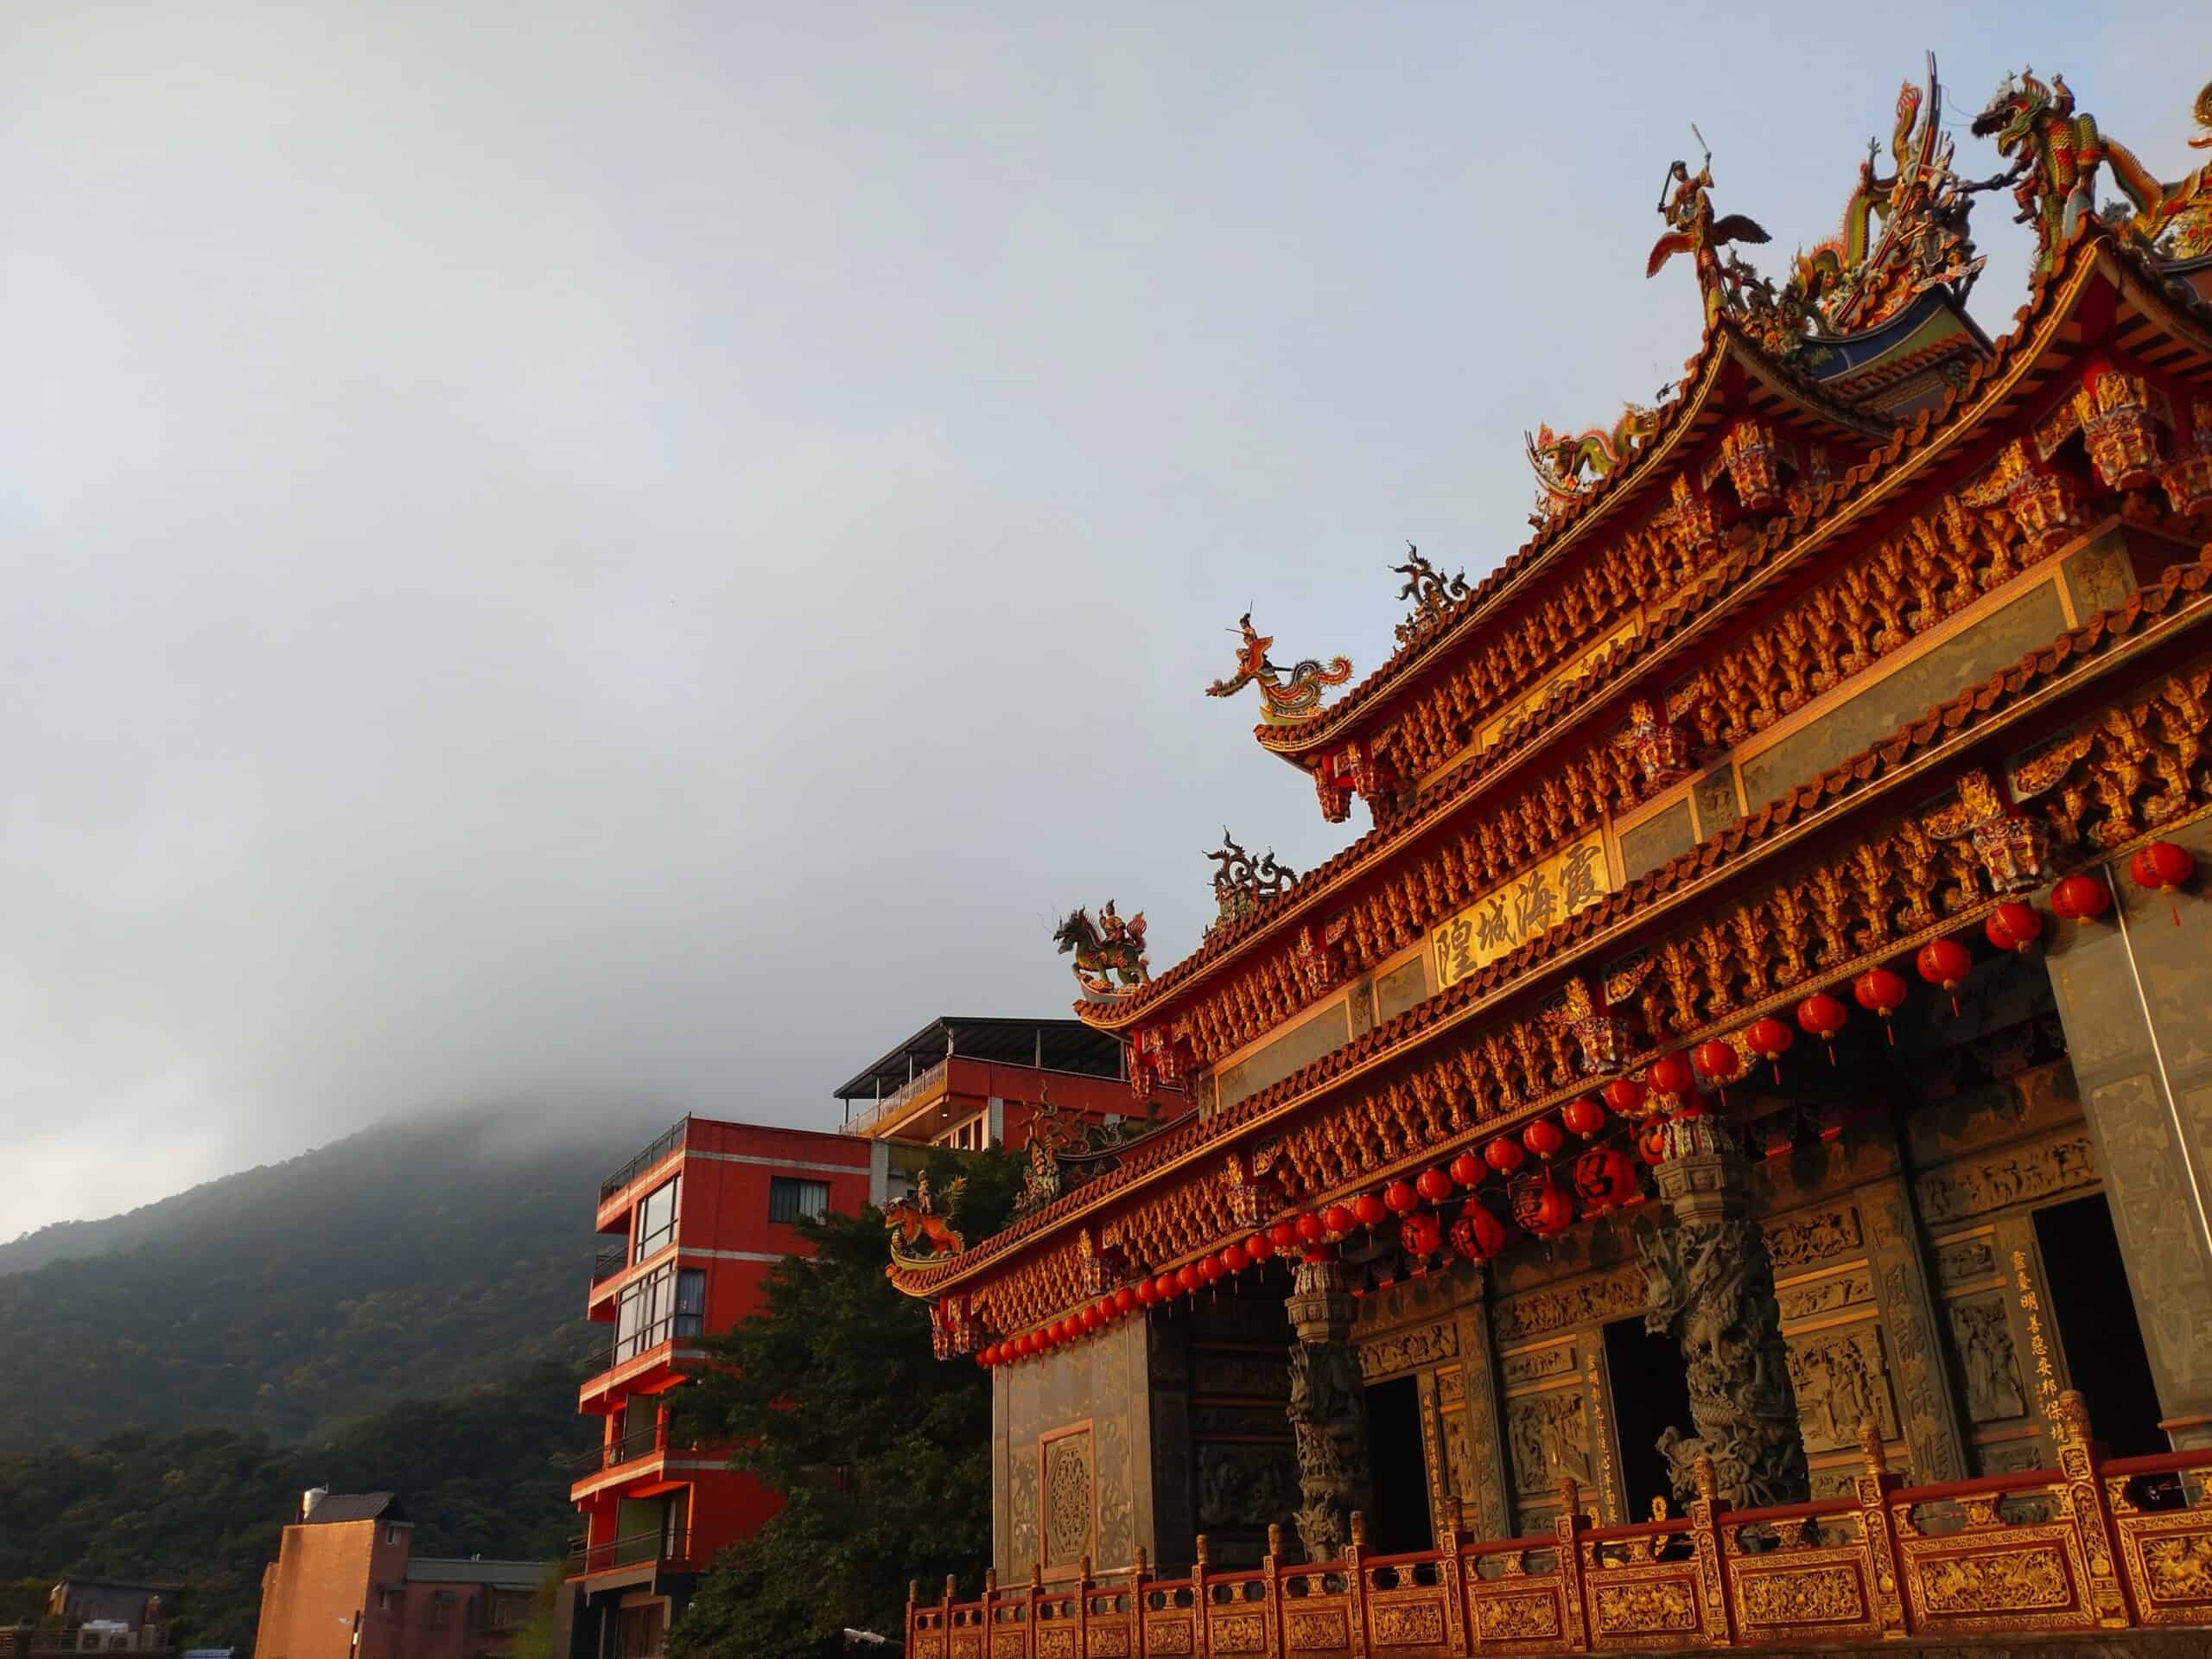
{"type": "Point", "coordinates": [641, 552]}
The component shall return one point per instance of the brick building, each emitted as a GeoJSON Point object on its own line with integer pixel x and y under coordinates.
{"type": "Point", "coordinates": [346, 1584]}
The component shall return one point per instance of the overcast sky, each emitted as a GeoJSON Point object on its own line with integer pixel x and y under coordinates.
{"type": "Point", "coordinates": [643, 552]}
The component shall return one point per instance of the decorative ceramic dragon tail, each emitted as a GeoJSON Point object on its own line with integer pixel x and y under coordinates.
{"type": "Point", "coordinates": [1282, 702]}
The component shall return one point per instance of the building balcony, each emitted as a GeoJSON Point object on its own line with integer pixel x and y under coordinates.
{"type": "Point", "coordinates": [672, 1141]}
{"type": "Point", "coordinates": [669, 1548]}
{"type": "Point", "coordinates": [608, 1263]}
{"type": "Point", "coordinates": [2096, 1548]}
{"type": "Point", "coordinates": [921, 1089]}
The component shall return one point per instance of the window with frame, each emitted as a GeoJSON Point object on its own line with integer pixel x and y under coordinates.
{"type": "Point", "coordinates": [672, 1302]}
{"type": "Point", "coordinates": [789, 1199]}
{"type": "Point", "coordinates": [656, 1219]}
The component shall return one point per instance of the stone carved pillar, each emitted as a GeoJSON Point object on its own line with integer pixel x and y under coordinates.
{"type": "Point", "coordinates": [2132, 989]}
{"type": "Point", "coordinates": [1709, 1282]}
{"type": "Point", "coordinates": [1328, 1411]}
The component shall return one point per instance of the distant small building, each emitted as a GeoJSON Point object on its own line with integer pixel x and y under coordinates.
{"type": "Point", "coordinates": [82, 1614]}
{"type": "Point", "coordinates": [346, 1584]}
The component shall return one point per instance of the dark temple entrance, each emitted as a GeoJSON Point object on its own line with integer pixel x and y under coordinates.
{"type": "Point", "coordinates": [1650, 1396]}
{"type": "Point", "coordinates": [2096, 1315]}
{"type": "Point", "coordinates": [1400, 1520]}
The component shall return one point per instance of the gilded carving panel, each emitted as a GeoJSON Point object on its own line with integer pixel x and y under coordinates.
{"type": "Point", "coordinates": [1324, 1630]}
{"type": "Point", "coordinates": [1524, 1617]}
{"type": "Point", "coordinates": [1644, 1609]}
{"type": "Point", "coordinates": [1066, 1499]}
{"type": "Point", "coordinates": [1796, 1594]}
{"type": "Point", "coordinates": [1406, 1623]}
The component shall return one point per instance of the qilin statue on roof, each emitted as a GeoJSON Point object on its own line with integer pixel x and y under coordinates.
{"type": "Point", "coordinates": [1566, 467]}
{"type": "Point", "coordinates": [1242, 885]}
{"type": "Point", "coordinates": [1109, 958]}
{"type": "Point", "coordinates": [920, 1233]}
{"type": "Point", "coordinates": [1432, 594]}
{"type": "Point", "coordinates": [2055, 155]}
{"type": "Point", "coordinates": [1282, 702]}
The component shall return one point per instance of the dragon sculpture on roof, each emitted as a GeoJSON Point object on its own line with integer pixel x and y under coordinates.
{"type": "Point", "coordinates": [1241, 884]}
{"type": "Point", "coordinates": [2056, 153]}
{"type": "Point", "coordinates": [1566, 467]}
{"type": "Point", "coordinates": [1282, 702]}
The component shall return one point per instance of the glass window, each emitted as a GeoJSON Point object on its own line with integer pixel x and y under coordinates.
{"type": "Point", "coordinates": [788, 1199]}
{"type": "Point", "coordinates": [690, 1301]}
{"type": "Point", "coordinates": [656, 1219]}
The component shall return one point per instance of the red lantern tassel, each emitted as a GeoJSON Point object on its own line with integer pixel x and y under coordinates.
{"type": "Point", "coordinates": [1831, 1049]}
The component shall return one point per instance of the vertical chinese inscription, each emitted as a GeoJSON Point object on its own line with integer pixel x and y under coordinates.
{"type": "Point", "coordinates": [2046, 1379]}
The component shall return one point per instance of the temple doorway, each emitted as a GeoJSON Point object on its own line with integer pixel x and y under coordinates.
{"type": "Point", "coordinates": [2096, 1315]}
{"type": "Point", "coordinates": [1400, 1520]}
{"type": "Point", "coordinates": [1650, 1396]}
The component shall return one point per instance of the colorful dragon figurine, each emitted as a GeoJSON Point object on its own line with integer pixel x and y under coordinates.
{"type": "Point", "coordinates": [2056, 154]}
{"type": "Point", "coordinates": [1281, 703]}
{"type": "Point", "coordinates": [1109, 959]}
{"type": "Point", "coordinates": [1559, 462]}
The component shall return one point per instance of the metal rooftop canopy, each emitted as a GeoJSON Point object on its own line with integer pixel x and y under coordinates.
{"type": "Point", "coordinates": [1049, 1044]}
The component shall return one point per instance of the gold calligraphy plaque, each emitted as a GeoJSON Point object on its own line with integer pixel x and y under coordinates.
{"type": "Point", "coordinates": [1572, 878]}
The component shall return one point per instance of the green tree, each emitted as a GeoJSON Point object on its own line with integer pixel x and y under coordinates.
{"type": "Point", "coordinates": [830, 1393]}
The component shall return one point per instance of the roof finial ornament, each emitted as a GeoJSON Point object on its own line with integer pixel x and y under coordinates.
{"type": "Point", "coordinates": [1281, 703]}
{"type": "Point", "coordinates": [1242, 885]}
{"type": "Point", "coordinates": [1109, 958]}
{"type": "Point", "coordinates": [1560, 461]}
{"type": "Point", "coordinates": [1685, 203]}
{"type": "Point", "coordinates": [1432, 594]}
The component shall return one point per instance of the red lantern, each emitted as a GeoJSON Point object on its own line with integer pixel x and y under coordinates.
{"type": "Point", "coordinates": [1366, 1209]}
{"type": "Point", "coordinates": [2081, 897]}
{"type": "Point", "coordinates": [1477, 1234]}
{"type": "Point", "coordinates": [1467, 1169]}
{"type": "Point", "coordinates": [1312, 1229]}
{"type": "Point", "coordinates": [1542, 1137]}
{"type": "Point", "coordinates": [1259, 1247]}
{"type": "Point", "coordinates": [1670, 1075]}
{"type": "Point", "coordinates": [2013, 925]}
{"type": "Point", "coordinates": [1283, 1235]}
{"type": "Point", "coordinates": [1544, 1208]}
{"type": "Point", "coordinates": [1718, 1061]}
{"type": "Point", "coordinates": [1625, 1095]}
{"type": "Point", "coordinates": [1770, 1039]}
{"type": "Point", "coordinates": [1337, 1220]}
{"type": "Point", "coordinates": [1165, 1287]}
{"type": "Point", "coordinates": [1209, 1269]}
{"type": "Point", "coordinates": [1419, 1235]}
{"type": "Point", "coordinates": [1651, 1141]}
{"type": "Point", "coordinates": [1019, 1347]}
{"type": "Point", "coordinates": [1879, 991]}
{"type": "Point", "coordinates": [1071, 1328]}
{"type": "Point", "coordinates": [1090, 1319]}
{"type": "Point", "coordinates": [1944, 962]}
{"type": "Point", "coordinates": [1125, 1301]}
{"type": "Point", "coordinates": [2160, 866]}
{"type": "Point", "coordinates": [1234, 1258]}
{"type": "Point", "coordinates": [1433, 1185]}
{"type": "Point", "coordinates": [1823, 1016]}
{"type": "Point", "coordinates": [1400, 1197]}
{"type": "Point", "coordinates": [1503, 1155]}
{"type": "Point", "coordinates": [1604, 1179]}
{"type": "Point", "coordinates": [983, 1355]}
{"type": "Point", "coordinates": [1584, 1115]}
{"type": "Point", "coordinates": [1188, 1278]}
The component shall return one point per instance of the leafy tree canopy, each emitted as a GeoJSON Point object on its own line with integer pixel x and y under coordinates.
{"type": "Point", "coordinates": [831, 1394]}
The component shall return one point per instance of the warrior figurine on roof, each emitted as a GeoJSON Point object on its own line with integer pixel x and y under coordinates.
{"type": "Point", "coordinates": [1282, 703]}
{"type": "Point", "coordinates": [1686, 205]}
{"type": "Point", "coordinates": [1109, 959]}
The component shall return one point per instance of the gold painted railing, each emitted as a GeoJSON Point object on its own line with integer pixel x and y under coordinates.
{"type": "Point", "coordinates": [2095, 1546]}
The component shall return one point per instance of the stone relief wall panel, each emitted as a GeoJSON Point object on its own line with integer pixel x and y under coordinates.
{"type": "Point", "coordinates": [1841, 1379]}
{"type": "Point", "coordinates": [1066, 1498]}
{"type": "Point", "coordinates": [1989, 1364]}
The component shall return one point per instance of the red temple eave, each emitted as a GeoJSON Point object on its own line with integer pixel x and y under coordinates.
{"type": "Point", "coordinates": [2181, 600]}
{"type": "Point", "coordinates": [2090, 277]}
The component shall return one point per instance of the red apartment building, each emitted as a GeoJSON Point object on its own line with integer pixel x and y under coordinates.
{"type": "Point", "coordinates": [695, 1221]}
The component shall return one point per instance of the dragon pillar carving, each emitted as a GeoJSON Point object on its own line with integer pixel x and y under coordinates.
{"type": "Point", "coordinates": [1327, 1412]}
{"type": "Point", "coordinates": [1709, 1283]}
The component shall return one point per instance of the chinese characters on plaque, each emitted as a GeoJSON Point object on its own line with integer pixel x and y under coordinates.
{"type": "Point", "coordinates": [1571, 879]}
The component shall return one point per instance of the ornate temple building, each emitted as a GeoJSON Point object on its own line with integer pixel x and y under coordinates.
{"type": "Point", "coordinates": [1725, 1160]}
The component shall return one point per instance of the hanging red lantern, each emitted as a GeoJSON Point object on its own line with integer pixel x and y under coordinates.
{"type": "Point", "coordinates": [1165, 1287]}
{"type": "Point", "coordinates": [1433, 1185]}
{"type": "Point", "coordinates": [1420, 1234]}
{"type": "Point", "coordinates": [1945, 963]}
{"type": "Point", "coordinates": [1542, 1137]}
{"type": "Point", "coordinates": [1125, 1301]}
{"type": "Point", "coordinates": [1234, 1258]}
{"type": "Point", "coordinates": [1467, 1169]}
{"type": "Point", "coordinates": [1716, 1061]}
{"type": "Point", "coordinates": [1604, 1179]}
{"type": "Point", "coordinates": [1071, 1328]}
{"type": "Point", "coordinates": [983, 1355]}
{"type": "Point", "coordinates": [1625, 1095]}
{"type": "Point", "coordinates": [1823, 1016]}
{"type": "Point", "coordinates": [1366, 1209]}
{"type": "Point", "coordinates": [1584, 1115]}
{"type": "Point", "coordinates": [1188, 1278]}
{"type": "Point", "coordinates": [1210, 1270]}
{"type": "Point", "coordinates": [2013, 925]}
{"type": "Point", "coordinates": [1503, 1155]}
{"type": "Point", "coordinates": [1312, 1229]}
{"type": "Point", "coordinates": [1259, 1247]}
{"type": "Point", "coordinates": [1090, 1319]}
{"type": "Point", "coordinates": [1477, 1234]}
{"type": "Point", "coordinates": [2161, 866]}
{"type": "Point", "coordinates": [1770, 1039]}
{"type": "Point", "coordinates": [1670, 1076]}
{"type": "Point", "coordinates": [1651, 1141]}
{"type": "Point", "coordinates": [1543, 1207]}
{"type": "Point", "coordinates": [1283, 1235]}
{"type": "Point", "coordinates": [1879, 991]}
{"type": "Point", "coordinates": [2082, 898]}
{"type": "Point", "coordinates": [1337, 1220]}
{"type": "Point", "coordinates": [1019, 1347]}
{"type": "Point", "coordinates": [1401, 1198]}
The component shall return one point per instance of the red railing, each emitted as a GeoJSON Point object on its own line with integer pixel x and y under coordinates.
{"type": "Point", "coordinates": [2096, 1546]}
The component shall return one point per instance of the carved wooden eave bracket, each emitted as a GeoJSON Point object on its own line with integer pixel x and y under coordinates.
{"type": "Point", "coordinates": [2179, 604]}
{"type": "Point", "coordinates": [1943, 435]}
